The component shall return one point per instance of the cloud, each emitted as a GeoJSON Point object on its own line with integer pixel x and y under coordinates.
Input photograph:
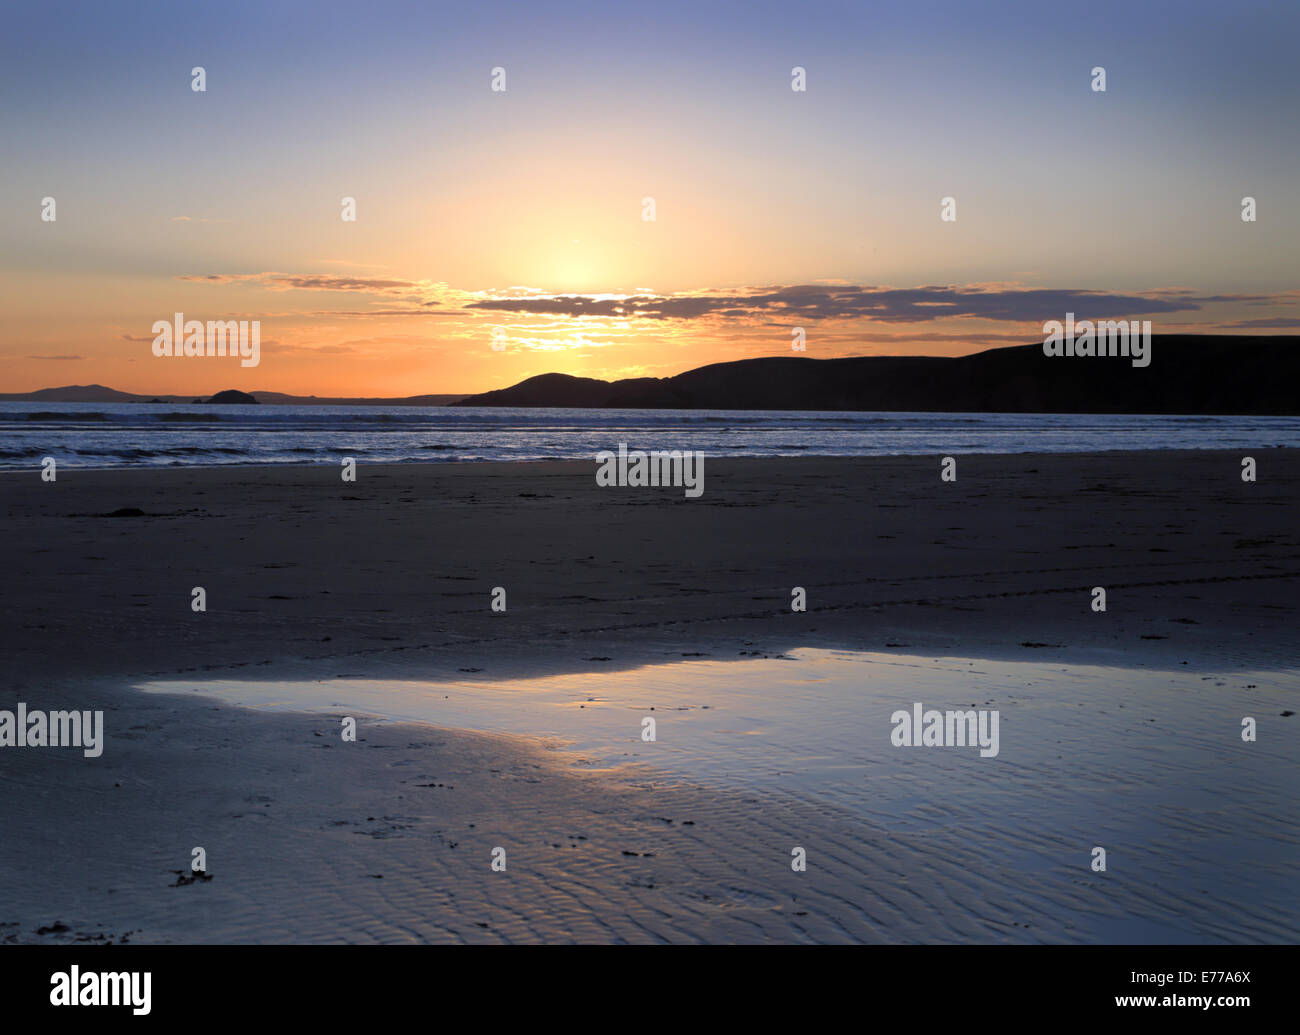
{"type": "Point", "coordinates": [311, 282]}
{"type": "Point", "coordinates": [1006, 302]}
{"type": "Point", "coordinates": [1278, 298]}
{"type": "Point", "coordinates": [1275, 323]}
{"type": "Point", "coordinates": [336, 282]}
{"type": "Point", "coordinates": [413, 311]}
{"type": "Point", "coordinates": [823, 302]}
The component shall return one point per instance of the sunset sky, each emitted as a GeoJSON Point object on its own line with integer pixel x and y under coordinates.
{"type": "Point", "coordinates": [523, 209]}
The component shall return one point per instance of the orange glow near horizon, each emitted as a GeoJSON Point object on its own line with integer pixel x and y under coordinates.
{"type": "Point", "coordinates": [372, 333]}
{"type": "Point", "coordinates": [525, 208]}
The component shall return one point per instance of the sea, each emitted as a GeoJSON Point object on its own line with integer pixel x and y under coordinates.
{"type": "Point", "coordinates": [102, 435]}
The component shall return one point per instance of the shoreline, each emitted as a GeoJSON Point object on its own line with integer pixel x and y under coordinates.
{"type": "Point", "coordinates": [30, 468]}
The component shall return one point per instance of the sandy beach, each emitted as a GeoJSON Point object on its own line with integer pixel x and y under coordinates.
{"type": "Point", "coordinates": [390, 580]}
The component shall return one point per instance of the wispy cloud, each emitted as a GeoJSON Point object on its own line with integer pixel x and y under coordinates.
{"type": "Point", "coordinates": [311, 282]}
{"type": "Point", "coordinates": [1279, 323]}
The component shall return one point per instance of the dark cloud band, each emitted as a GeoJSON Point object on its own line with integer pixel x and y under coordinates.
{"type": "Point", "coordinates": [816, 302]}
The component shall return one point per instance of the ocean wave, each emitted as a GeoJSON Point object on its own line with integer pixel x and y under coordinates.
{"type": "Point", "coordinates": [143, 453]}
{"type": "Point", "coordinates": [55, 415]}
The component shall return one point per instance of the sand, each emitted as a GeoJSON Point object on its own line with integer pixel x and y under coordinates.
{"type": "Point", "coordinates": [390, 578]}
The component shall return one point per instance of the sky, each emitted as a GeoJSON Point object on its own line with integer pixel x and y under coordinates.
{"type": "Point", "coordinates": [516, 218]}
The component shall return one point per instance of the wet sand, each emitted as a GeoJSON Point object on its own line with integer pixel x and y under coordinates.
{"type": "Point", "coordinates": [390, 578]}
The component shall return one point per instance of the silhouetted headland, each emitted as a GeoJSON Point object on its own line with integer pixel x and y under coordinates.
{"type": "Point", "coordinates": [1188, 374]}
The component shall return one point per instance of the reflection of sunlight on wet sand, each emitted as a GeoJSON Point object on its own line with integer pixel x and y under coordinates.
{"type": "Point", "coordinates": [1148, 763]}
{"type": "Point", "coordinates": [819, 722]}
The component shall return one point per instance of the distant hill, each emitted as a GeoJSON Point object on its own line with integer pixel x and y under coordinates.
{"type": "Point", "coordinates": [1189, 374]}
{"type": "Point", "coordinates": [231, 397]}
{"type": "Point", "coordinates": [73, 393]}
{"type": "Point", "coordinates": [100, 394]}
